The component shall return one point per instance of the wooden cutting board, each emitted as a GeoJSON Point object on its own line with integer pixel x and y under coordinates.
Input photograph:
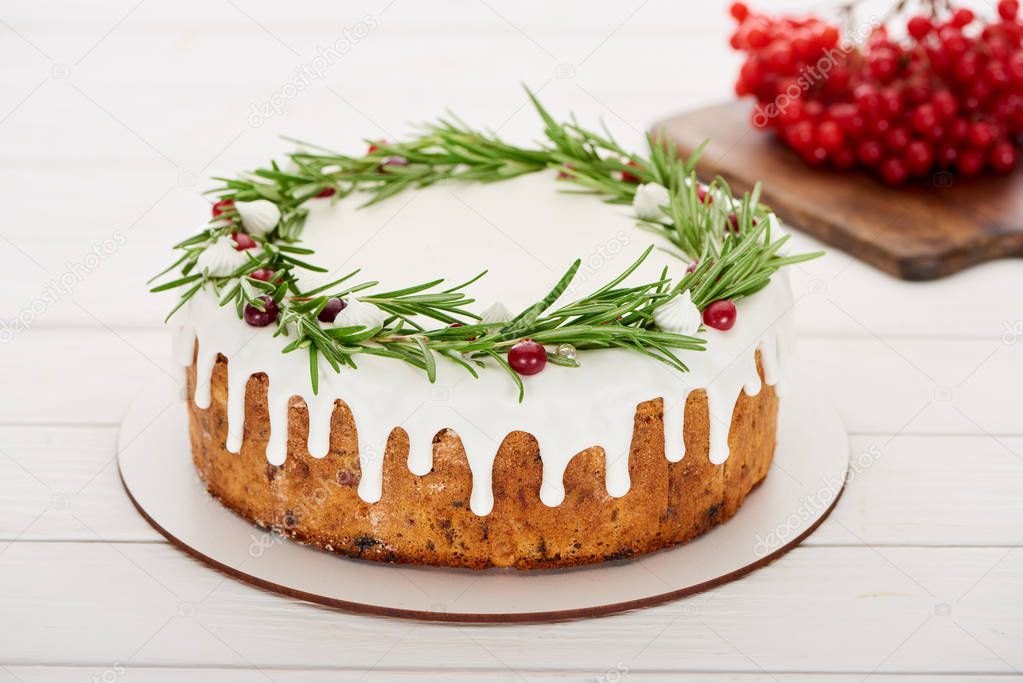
{"type": "Point", "coordinates": [917, 232]}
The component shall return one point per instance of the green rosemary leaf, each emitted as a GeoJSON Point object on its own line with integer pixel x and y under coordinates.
{"type": "Point", "coordinates": [332, 284]}
{"type": "Point", "coordinates": [428, 359]}
{"type": "Point", "coordinates": [526, 318]}
{"type": "Point", "coordinates": [314, 372]}
{"type": "Point", "coordinates": [183, 300]}
{"type": "Point", "coordinates": [176, 283]}
{"type": "Point", "coordinates": [303, 264]}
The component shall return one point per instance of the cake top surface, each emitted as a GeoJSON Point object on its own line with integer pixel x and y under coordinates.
{"type": "Point", "coordinates": [524, 232]}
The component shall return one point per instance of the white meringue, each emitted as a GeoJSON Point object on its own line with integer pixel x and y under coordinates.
{"type": "Point", "coordinates": [679, 316]}
{"type": "Point", "coordinates": [360, 313]}
{"type": "Point", "coordinates": [648, 200]}
{"type": "Point", "coordinates": [221, 259]}
{"type": "Point", "coordinates": [496, 313]}
{"type": "Point", "coordinates": [259, 217]}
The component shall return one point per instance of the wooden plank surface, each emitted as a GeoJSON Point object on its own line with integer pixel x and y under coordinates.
{"type": "Point", "coordinates": [911, 609]}
{"type": "Point", "coordinates": [112, 112]}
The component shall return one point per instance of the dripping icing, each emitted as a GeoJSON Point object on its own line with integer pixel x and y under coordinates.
{"type": "Point", "coordinates": [599, 398]}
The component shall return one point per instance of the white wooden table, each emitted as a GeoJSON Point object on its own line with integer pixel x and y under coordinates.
{"type": "Point", "coordinates": [111, 118]}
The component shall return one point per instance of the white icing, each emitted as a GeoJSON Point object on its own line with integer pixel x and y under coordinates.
{"type": "Point", "coordinates": [259, 217]}
{"type": "Point", "coordinates": [221, 258]}
{"type": "Point", "coordinates": [680, 315]}
{"type": "Point", "coordinates": [459, 230]}
{"type": "Point", "coordinates": [648, 200]}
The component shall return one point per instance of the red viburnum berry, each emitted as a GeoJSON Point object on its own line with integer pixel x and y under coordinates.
{"type": "Point", "coordinates": [222, 207]}
{"type": "Point", "coordinates": [243, 241]}
{"type": "Point", "coordinates": [527, 357]}
{"type": "Point", "coordinates": [631, 177]}
{"type": "Point", "coordinates": [720, 315]}
{"type": "Point", "coordinates": [261, 318]}
{"type": "Point", "coordinates": [331, 309]}
{"type": "Point", "coordinates": [739, 11]}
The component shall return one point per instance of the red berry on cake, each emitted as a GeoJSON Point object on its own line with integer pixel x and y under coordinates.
{"type": "Point", "coordinates": [327, 192]}
{"type": "Point", "coordinates": [631, 177]}
{"type": "Point", "coordinates": [261, 318]}
{"type": "Point", "coordinates": [527, 357]}
{"type": "Point", "coordinates": [331, 309]}
{"type": "Point", "coordinates": [262, 274]}
{"type": "Point", "coordinates": [720, 315]}
{"type": "Point", "coordinates": [222, 207]}
{"type": "Point", "coordinates": [243, 241]}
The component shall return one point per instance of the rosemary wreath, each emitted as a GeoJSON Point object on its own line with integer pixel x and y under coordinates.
{"type": "Point", "coordinates": [726, 241]}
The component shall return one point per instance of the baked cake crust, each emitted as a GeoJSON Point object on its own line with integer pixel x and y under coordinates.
{"type": "Point", "coordinates": [426, 519]}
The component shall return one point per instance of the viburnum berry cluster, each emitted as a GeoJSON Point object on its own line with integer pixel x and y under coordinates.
{"type": "Point", "coordinates": [948, 96]}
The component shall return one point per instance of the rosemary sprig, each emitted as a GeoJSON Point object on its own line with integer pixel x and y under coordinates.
{"type": "Point", "coordinates": [729, 238]}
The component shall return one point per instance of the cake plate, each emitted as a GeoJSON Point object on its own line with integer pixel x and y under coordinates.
{"type": "Point", "coordinates": [805, 482]}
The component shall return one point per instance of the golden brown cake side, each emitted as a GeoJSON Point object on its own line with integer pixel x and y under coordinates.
{"type": "Point", "coordinates": [426, 519]}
